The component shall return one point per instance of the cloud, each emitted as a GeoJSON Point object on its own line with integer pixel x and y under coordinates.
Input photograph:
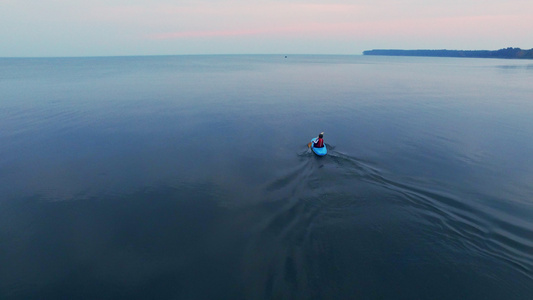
{"type": "Point", "coordinates": [201, 34]}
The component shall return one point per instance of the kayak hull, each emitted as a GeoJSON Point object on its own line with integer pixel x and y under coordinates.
{"type": "Point", "coordinates": [319, 151]}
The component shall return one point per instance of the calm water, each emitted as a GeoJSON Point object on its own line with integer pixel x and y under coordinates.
{"type": "Point", "coordinates": [189, 177]}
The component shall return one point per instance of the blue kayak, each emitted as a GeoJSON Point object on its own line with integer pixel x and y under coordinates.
{"type": "Point", "coordinates": [319, 151]}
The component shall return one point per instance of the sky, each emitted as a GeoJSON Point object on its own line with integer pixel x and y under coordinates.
{"type": "Point", "coordinates": [52, 28]}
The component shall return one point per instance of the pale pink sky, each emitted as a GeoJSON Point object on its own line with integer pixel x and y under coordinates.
{"type": "Point", "coordinates": [142, 27]}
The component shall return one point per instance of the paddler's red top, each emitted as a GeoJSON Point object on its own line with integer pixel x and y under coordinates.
{"type": "Point", "coordinates": [319, 143]}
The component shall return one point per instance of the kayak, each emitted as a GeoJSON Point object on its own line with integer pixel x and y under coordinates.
{"type": "Point", "coordinates": [319, 151]}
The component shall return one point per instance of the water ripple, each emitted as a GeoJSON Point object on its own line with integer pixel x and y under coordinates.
{"type": "Point", "coordinates": [489, 232]}
{"type": "Point", "coordinates": [327, 190]}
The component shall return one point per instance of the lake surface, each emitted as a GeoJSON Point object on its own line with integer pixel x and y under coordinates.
{"type": "Point", "coordinates": [189, 177]}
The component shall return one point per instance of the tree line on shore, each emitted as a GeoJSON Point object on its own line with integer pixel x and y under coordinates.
{"type": "Point", "coordinates": [502, 53]}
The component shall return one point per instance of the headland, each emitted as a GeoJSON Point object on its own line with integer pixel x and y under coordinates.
{"type": "Point", "coordinates": [510, 53]}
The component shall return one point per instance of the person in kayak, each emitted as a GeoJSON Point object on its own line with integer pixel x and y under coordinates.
{"type": "Point", "coordinates": [319, 142]}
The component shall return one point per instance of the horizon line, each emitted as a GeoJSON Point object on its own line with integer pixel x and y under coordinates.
{"type": "Point", "coordinates": [188, 54]}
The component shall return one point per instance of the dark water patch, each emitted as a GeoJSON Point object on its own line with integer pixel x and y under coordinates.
{"type": "Point", "coordinates": [143, 243]}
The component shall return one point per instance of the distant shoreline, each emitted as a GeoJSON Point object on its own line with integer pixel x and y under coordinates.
{"type": "Point", "coordinates": [508, 53]}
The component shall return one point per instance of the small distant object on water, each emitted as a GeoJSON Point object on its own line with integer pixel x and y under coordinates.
{"type": "Point", "coordinates": [285, 56]}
